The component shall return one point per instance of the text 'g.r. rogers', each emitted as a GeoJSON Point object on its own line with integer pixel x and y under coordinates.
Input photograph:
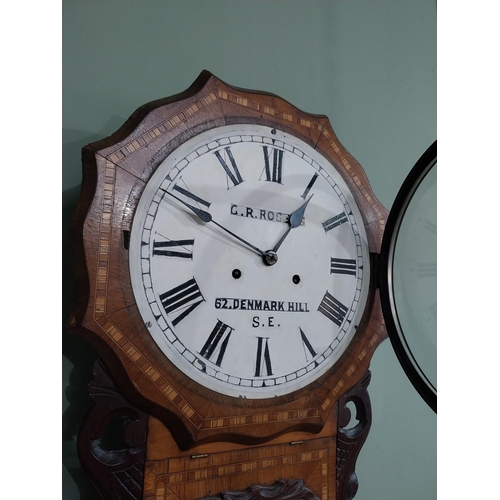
{"type": "Point", "coordinates": [260, 305]}
{"type": "Point", "coordinates": [260, 213]}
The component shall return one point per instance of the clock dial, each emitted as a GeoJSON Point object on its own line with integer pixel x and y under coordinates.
{"type": "Point", "coordinates": [249, 261]}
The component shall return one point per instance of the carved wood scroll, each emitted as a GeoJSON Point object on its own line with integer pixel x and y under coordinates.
{"type": "Point", "coordinates": [112, 441]}
{"type": "Point", "coordinates": [350, 439]}
{"type": "Point", "coordinates": [280, 490]}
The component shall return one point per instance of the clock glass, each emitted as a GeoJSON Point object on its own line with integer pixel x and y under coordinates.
{"type": "Point", "coordinates": [415, 276]}
{"type": "Point", "coordinates": [249, 261]}
{"type": "Point", "coordinates": [409, 294]}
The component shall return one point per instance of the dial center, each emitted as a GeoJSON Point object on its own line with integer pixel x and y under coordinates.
{"type": "Point", "coordinates": [270, 258]}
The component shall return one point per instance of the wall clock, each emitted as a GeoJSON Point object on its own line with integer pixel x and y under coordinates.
{"type": "Point", "coordinates": [227, 266]}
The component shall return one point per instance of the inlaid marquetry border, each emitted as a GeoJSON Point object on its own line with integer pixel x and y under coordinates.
{"type": "Point", "coordinates": [147, 368]}
{"type": "Point", "coordinates": [103, 250]}
{"type": "Point", "coordinates": [361, 185]}
{"type": "Point", "coordinates": [100, 302]}
{"type": "Point", "coordinates": [340, 386]}
{"type": "Point", "coordinates": [268, 110]}
{"type": "Point", "coordinates": [215, 471]}
{"type": "Point", "coordinates": [161, 128]}
{"type": "Point", "coordinates": [271, 416]}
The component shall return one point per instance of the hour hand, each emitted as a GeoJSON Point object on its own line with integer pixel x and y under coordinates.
{"type": "Point", "coordinates": [294, 220]}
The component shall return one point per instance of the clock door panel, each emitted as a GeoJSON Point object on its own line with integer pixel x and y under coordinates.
{"type": "Point", "coordinates": [212, 469]}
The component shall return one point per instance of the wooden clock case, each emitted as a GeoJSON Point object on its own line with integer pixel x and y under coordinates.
{"type": "Point", "coordinates": [200, 442]}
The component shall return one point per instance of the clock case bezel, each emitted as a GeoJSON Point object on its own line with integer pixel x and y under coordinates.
{"type": "Point", "coordinates": [115, 171]}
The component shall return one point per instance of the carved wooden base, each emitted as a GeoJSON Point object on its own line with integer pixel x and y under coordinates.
{"type": "Point", "coordinates": [112, 441]}
{"type": "Point", "coordinates": [124, 462]}
{"type": "Point", "coordinates": [280, 490]}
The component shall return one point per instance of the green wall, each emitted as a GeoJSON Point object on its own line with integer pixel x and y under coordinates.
{"type": "Point", "coordinates": [370, 66]}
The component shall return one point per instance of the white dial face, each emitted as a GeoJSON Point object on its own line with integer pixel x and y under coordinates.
{"type": "Point", "coordinates": [249, 261]}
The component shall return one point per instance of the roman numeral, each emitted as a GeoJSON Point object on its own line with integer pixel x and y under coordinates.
{"type": "Point", "coordinates": [182, 299]}
{"type": "Point", "coordinates": [333, 309]}
{"type": "Point", "coordinates": [217, 342]}
{"type": "Point", "coordinates": [275, 173]}
{"type": "Point", "coordinates": [232, 171]}
{"type": "Point", "coordinates": [343, 266]}
{"type": "Point", "coordinates": [190, 195]}
{"type": "Point", "coordinates": [263, 357]}
{"type": "Point", "coordinates": [306, 345]}
{"type": "Point", "coordinates": [334, 221]}
{"type": "Point", "coordinates": [309, 186]}
{"type": "Point", "coordinates": [174, 248]}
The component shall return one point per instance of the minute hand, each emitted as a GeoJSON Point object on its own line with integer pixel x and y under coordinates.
{"type": "Point", "coordinates": [205, 216]}
{"type": "Point", "coordinates": [295, 220]}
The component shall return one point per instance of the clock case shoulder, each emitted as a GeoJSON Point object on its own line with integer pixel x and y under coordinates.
{"type": "Point", "coordinates": [115, 172]}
